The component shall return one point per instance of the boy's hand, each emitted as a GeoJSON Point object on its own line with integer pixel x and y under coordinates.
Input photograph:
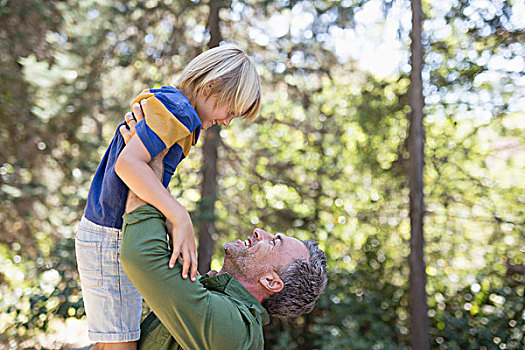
{"type": "Point", "coordinates": [183, 243]}
{"type": "Point", "coordinates": [127, 131]}
{"type": "Point", "coordinates": [169, 227]}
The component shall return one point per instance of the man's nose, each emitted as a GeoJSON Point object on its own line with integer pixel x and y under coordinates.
{"type": "Point", "coordinates": [261, 234]}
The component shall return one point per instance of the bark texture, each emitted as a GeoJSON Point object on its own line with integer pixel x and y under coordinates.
{"type": "Point", "coordinates": [206, 227]}
{"type": "Point", "coordinates": [418, 297]}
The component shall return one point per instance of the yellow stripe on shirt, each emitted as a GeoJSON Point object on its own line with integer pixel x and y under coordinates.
{"type": "Point", "coordinates": [160, 120]}
{"type": "Point", "coordinates": [144, 94]}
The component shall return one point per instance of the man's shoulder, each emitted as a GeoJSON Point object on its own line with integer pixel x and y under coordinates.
{"type": "Point", "coordinates": [229, 325]}
{"type": "Point", "coordinates": [226, 315]}
{"type": "Point", "coordinates": [223, 303]}
{"type": "Point", "coordinates": [233, 324]}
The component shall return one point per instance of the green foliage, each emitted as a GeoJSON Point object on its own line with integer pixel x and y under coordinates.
{"type": "Point", "coordinates": [325, 160]}
{"type": "Point", "coordinates": [486, 314]}
{"type": "Point", "coordinates": [357, 307]}
{"type": "Point", "coordinates": [360, 310]}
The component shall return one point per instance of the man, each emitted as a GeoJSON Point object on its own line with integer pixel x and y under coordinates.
{"type": "Point", "coordinates": [263, 275]}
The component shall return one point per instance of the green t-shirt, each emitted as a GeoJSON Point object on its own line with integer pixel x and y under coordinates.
{"type": "Point", "coordinates": [212, 313]}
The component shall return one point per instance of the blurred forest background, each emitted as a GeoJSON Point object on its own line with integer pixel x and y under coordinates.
{"type": "Point", "coordinates": [326, 159]}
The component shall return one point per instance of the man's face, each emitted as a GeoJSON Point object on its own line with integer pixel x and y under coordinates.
{"type": "Point", "coordinates": [259, 253]}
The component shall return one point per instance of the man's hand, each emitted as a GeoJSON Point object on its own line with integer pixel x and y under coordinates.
{"type": "Point", "coordinates": [128, 131]}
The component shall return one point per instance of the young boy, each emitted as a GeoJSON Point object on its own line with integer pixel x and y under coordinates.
{"type": "Point", "coordinates": [217, 86]}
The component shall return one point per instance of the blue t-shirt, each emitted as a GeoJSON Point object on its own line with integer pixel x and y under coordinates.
{"type": "Point", "coordinates": [169, 122]}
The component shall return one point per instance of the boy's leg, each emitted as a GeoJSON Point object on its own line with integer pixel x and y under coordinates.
{"type": "Point", "coordinates": [133, 202]}
{"type": "Point", "coordinates": [112, 304]}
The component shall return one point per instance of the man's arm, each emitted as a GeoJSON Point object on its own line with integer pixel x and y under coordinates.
{"type": "Point", "coordinates": [195, 317]}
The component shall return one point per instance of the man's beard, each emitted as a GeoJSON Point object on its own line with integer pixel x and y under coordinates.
{"type": "Point", "coordinates": [240, 262]}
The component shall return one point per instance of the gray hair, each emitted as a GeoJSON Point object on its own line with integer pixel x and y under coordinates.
{"type": "Point", "coordinates": [304, 281]}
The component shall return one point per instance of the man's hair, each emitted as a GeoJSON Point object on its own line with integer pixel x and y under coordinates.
{"type": "Point", "coordinates": [235, 80]}
{"type": "Point", "coordinates": [304, 281]}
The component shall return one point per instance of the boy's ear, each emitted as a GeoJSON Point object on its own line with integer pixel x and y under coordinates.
{"type": "Point", "coordinates": [272, 282]}
{"type": "Point", "coordinates": [207, 88]}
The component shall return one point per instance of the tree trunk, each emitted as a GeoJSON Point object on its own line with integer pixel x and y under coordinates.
{"type": "Point", "coordinates": [206, 228]}
{"type": "Point", "coordinates": [418, 297]}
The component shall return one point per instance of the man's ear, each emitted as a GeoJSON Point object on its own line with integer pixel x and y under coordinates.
{"type": "Point", "coordinates": [272, 282]}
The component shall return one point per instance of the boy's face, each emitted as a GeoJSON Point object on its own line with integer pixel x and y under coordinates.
{"type": "Point", "coordinates": [211, 115]}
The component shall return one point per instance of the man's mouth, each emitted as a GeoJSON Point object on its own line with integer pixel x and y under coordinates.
{"type": "Point", "coordinates": [248, 243]}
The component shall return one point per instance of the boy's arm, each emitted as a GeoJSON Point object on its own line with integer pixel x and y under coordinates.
{"type": "Point", "coordinates": [133, 201]}
{"type": "Point", "coordinates": [133, 168]}
{"type": "Point", "coordinates": [156, 164]}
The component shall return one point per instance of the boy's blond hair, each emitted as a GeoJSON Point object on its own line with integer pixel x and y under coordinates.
{"type": "Point", "coordinates": [235, 80]}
